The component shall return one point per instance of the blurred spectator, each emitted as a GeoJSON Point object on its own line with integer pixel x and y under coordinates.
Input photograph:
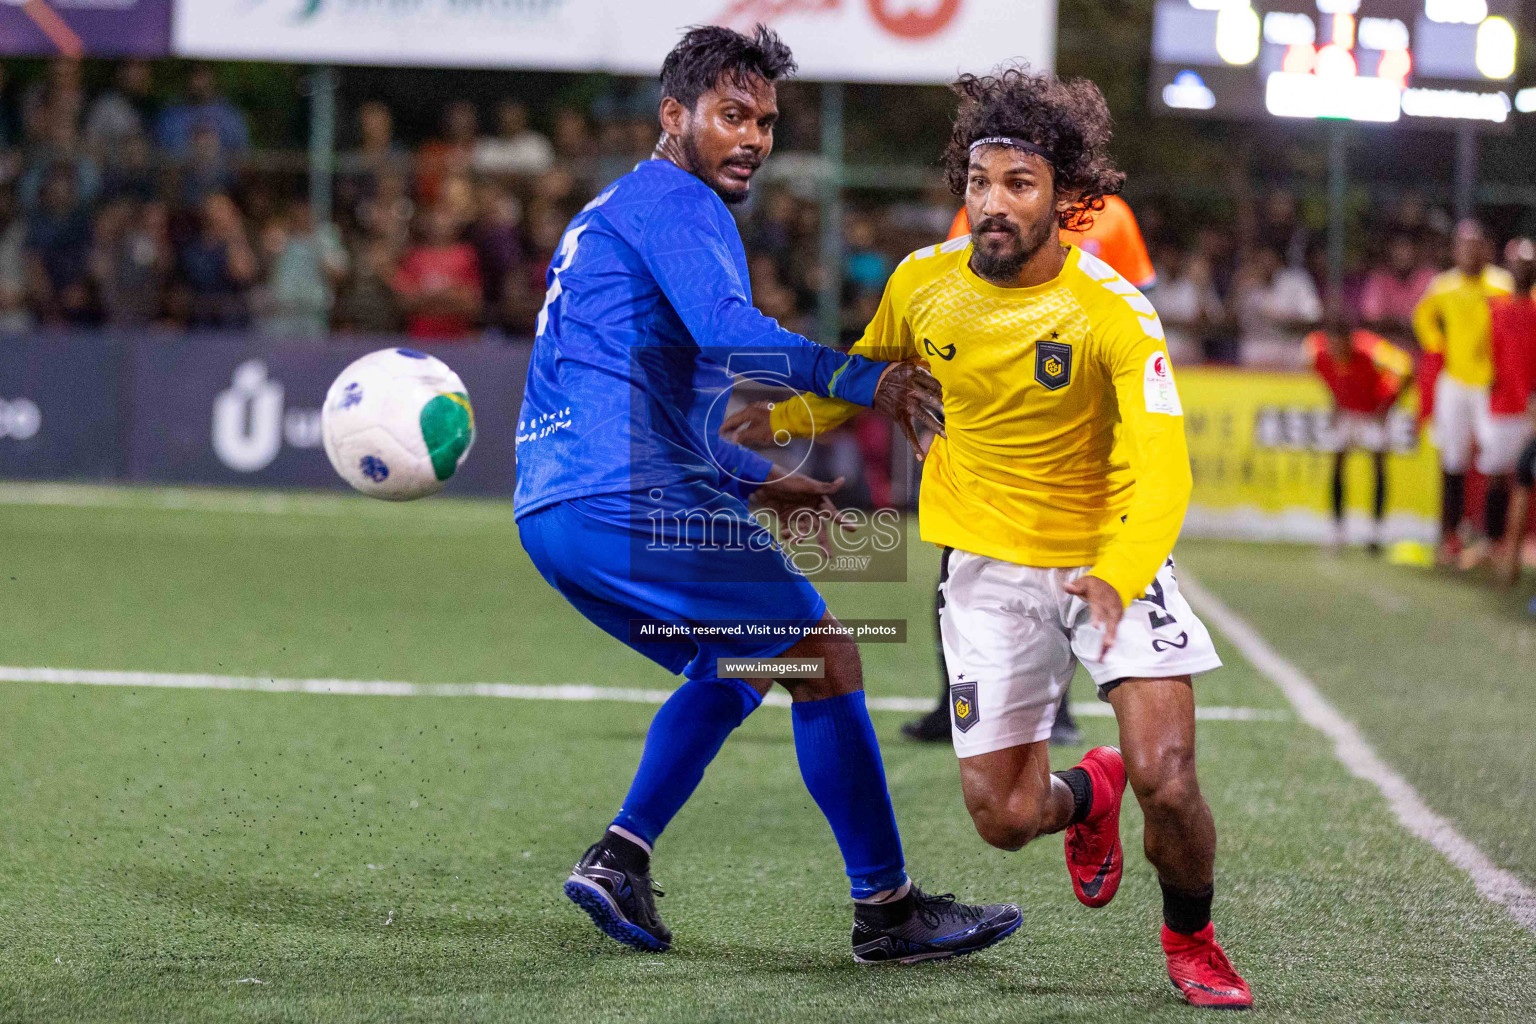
{"type": "Point", "coordinates": [1275, 304]}
{"type": "Point", "coordinates": [865, 267]}
{"type": "Point", "coordinates": [1280, 229]}
{"type": "Point", "coordinates": [573, 140]}
{"type": "Point", "coordinates": [388, 213]}
{"type": "Point", "coordinates": [1191, 310]}
{"type": "Point", "coordinates": [1393, 289]}
{"type": "Point", "coordinates": [55, 98]}
{"type": "Point", "coordinates": [515, 148]}
{"type": "Point", "coordinates": [123, 111]}
{"type": "Point", "coordinates": [207, 171]}
{"type": "Point", "coordinates": [217, 266]}
{"type": "Point", "coordinates": [15, 316]}
{"type": "Point", "coordinates": [59, 251]}
{"type": "Point", "coordinates": [130, 172]}
{"type": "Point", "coordinates": [448, 155]}
{"type": "Point", "coordinates": [305, 263]}
{"type": "Point", "coordinates": [498, 240]}
{"type": "Point", "coordinates": [133, 262]}
{"type": "Point", "coordinates": [367, 302]}
{"type": "Point", "coordinates": [60, 146]}
{"type": "Point", "coordinates": [438, 283]}
{"type": "Point", "coordinates": [377, 149]}
{"type": "Point", "coordinates": [203, 107]}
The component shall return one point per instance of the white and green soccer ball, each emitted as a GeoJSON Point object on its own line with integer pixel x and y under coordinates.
{"type": "Point", "coordinates": [397, 424]}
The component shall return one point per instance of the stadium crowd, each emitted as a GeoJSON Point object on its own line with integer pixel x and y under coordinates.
{"type": "Point", "coordinates": [133, 208]}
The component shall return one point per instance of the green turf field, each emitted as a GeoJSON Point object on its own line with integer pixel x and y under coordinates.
{"type": "Point", "coordinates": [399, 859]}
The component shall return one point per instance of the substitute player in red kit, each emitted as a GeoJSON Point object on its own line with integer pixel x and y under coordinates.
{"type": "Point", "coordinates": [1366, 375]}
{"type": "Point", "coordinates": [1512, 413]}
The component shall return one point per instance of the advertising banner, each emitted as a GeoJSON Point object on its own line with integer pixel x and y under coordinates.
{"type": "Point", "coordinates": [1261, 445]}
{"type": "Point", "coordinates": [850, 40]}
{"type": "Point", "coordinates": [60, 408]}
{"type": "Point", "coordinates": [219, 411]}
{"type": "Point", "coordinates": [85, 28]}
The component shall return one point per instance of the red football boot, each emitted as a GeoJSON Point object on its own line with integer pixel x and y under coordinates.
{"type": "Point", "coordinates": [1094, 858]}
{"type": "Point", "coordinates": [1201, 971]}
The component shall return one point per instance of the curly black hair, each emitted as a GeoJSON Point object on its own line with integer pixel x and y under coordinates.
{"type": "Point", "coordinates": [1066, 118]}
{"type": "Point", "coordinates": [708, 54]}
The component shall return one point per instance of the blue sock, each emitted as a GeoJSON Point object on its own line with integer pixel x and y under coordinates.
{"type": "Point", "coordinates": [840, 763]}
{"type": "Point", "coordinates": [684, 737]}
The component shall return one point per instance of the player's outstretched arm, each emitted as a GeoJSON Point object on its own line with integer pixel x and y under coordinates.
{"type": "Point", "coordinates": [687, 250]}
{"type": "Point", "coordinates": [906, 392]}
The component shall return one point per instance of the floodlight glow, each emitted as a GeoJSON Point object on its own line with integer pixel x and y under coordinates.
{"type": "Point", "coordinates": [1353, 99]}
{"type": "Point", "coordinates": [1395, 64]}
{"type": "Point", "coordinates": [1462, 104]}
{"type": "Point", "coordinates": [1495, 53]}
{"type": "Point", "coordinates": [1456, 12]}
{"type": "Point", "coordinates": [1343, 31]}
{"type": "Point", "coordinates": [1338, 6]}
{"type": "Point", "coordinates": [1300, 59]}
{"type": "Point", "coordinates": [1237, 35]}
{"type": "Point", "coordinates": [1525, 100]}
{"type": "Point", "coordinates": [1188, 91]}
{"type": "Point", "coordinates": [1383, 34]}
{"type": "Point", "coordinates": [1335, 62]}
{"type": "Point", "coordinates": [1284, 28]}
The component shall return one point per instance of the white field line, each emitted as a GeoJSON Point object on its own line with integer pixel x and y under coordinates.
{"type": "Point", "coordinates": [514, 691]}
{"type": "Point", "coordinates": [1356, 754]}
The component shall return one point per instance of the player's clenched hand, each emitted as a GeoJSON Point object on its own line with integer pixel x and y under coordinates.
{"type": "Point", "coordinates": [750, 426]}
{"type": "Point", "coordinates": [802, 507]}
{"type": "Point", "coordinates": [910, 395]}
{"type": "Point", "coordinates": [1103, 603]}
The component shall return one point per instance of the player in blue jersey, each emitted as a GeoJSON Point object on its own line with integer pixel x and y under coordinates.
{"type": "Point", "coordinates": [632, 508]}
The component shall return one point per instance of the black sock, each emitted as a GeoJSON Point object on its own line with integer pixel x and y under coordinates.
{"type": "Point", "coordinates": [1496, 512]}
{"type": "Point", "coordinates": [1380, 507]}
{"type": "Point", "coordinates": [1453, 502]}
{"type": "Point", "coordinates": [1186, 912]}
{"type": "Point", "coordinates": [1338, 489]}
{"type": "Point", "coordinates": [630, 854]}
{"type": "Point", "coordinates": [1081, 785]}
{"type": "Point", "coordinates": [890, 914]}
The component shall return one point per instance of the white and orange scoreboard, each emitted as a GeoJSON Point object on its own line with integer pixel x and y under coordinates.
{"type": "Point", "coordinates": [1407, 61]}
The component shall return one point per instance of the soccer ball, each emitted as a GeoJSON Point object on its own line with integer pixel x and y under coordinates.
{"type": "Point", "coordinates": [397, 424]}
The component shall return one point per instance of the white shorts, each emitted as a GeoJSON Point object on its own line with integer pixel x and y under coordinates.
{"type": "Point", "coordinates": [1013, 637]}
{"type": "Point", "coordinates": [1462, 417]}
{"type": "Point", "coordinates": [1356, 431]}
{"type": "Point", "coordinates": [1499, 446]}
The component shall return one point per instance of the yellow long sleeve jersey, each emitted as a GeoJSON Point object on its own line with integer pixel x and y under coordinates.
{"type": "Point", "coordinates": [1065, 438]}
{"type": "Point", "coordinates": [1453, 319]}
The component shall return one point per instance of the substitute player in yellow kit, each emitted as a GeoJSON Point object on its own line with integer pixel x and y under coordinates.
{"type": "Point", "coordinates": [1057, 492]}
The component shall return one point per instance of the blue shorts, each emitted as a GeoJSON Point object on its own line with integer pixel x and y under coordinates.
{"type": "Point", "coordinates": [602, 554]}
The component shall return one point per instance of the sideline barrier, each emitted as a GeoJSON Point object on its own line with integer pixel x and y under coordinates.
{"type": "Point", "coordinates": [216, 409]}
{"type": "Point", "coordinates": [1260, 446]}
{"type": "Point", "coordinates": [236, 411]}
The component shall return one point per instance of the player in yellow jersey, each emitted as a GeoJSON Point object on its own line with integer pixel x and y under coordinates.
{"type": "Point", "coordinates": [1454, 326]}
{"type": "Point", "coordinates": [1057, 492]}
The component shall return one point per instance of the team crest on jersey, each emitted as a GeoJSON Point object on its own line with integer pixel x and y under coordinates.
{"type": "Point", "coordinates": [962, 701]}
{"type": "Point", "coordinates": [1053, 364]}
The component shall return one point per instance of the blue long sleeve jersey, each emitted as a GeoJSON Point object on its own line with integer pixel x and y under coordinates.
{"type": "Point", "coordinates": [647, 320]}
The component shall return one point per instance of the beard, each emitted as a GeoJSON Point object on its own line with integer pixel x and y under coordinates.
{"type": "Point", "coordinates": [695, 160]}
{"type": "Point", "coordinates": [1004, 264]}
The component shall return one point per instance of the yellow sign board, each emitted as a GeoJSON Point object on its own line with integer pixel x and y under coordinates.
{"type": "Point", "coordinates": [1260, 446]}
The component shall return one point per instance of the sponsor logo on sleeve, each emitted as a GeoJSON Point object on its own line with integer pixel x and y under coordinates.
{"type": "Point", "coordinates": [1157, 382]}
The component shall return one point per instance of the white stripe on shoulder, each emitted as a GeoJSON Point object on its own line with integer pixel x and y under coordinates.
{"type": "Point", "coordinates": [955, 244]}
{"type": "Point", "coordinates": [1104, 274]}
{"type": "Point", "coordinates": [922, 254]}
